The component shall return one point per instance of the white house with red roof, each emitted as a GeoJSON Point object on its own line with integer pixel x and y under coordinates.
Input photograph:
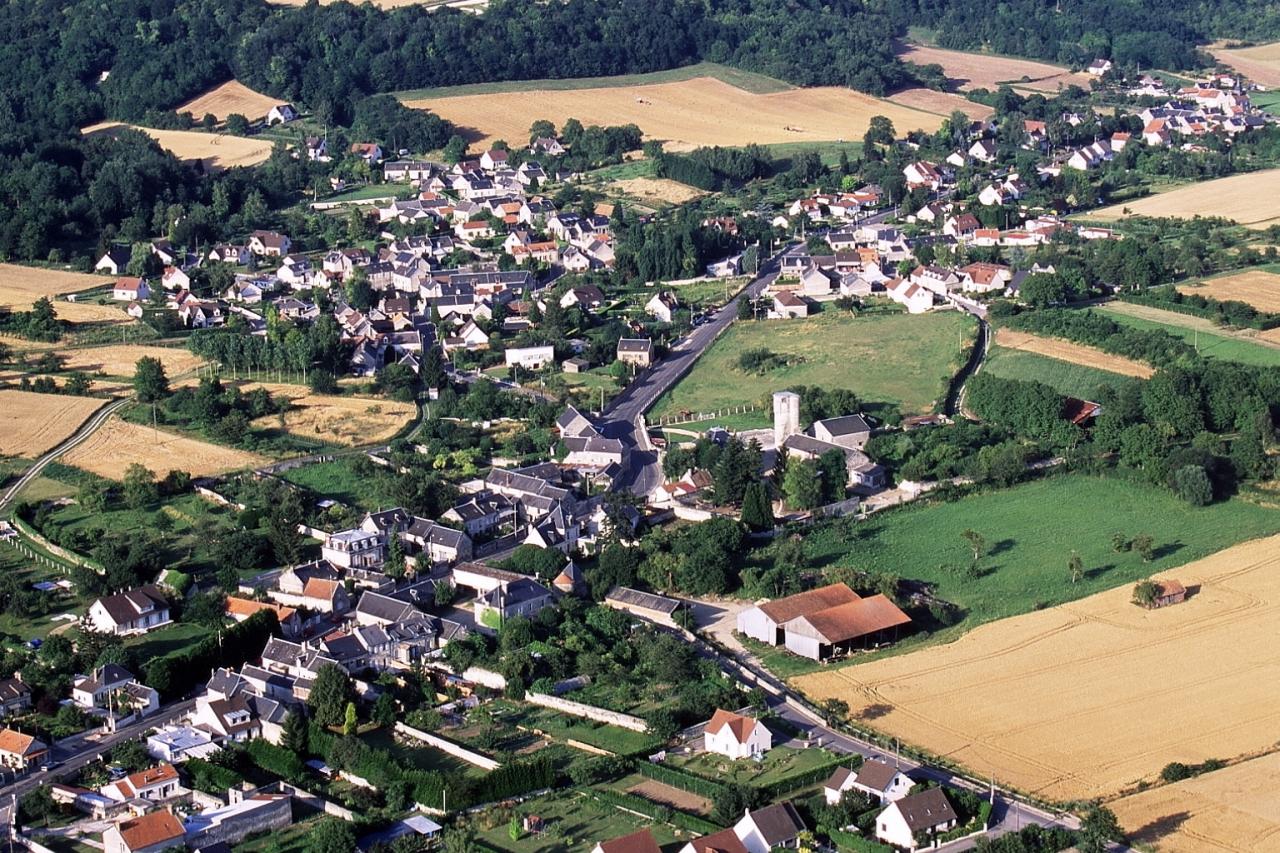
{"type": "Point", "coordinates": [735, 736]}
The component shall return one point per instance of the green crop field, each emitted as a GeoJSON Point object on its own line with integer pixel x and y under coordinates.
{"type": "Point", "coordinates": [757, 84]}
{"type": "Point", "coordinates": [1213, 344]}
{"type": "Point", "coordinates": [1073, 380]}
{"type": "Point", "coordinates": [1031, 530]}
{"type": "Point", "coordinates": [900, 360]}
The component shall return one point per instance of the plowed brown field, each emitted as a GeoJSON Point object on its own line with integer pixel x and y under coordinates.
{"type": "Point", "coordinates": [1089, 698]}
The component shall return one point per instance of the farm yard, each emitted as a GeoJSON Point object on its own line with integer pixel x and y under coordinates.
{"type": "Point", "coordinates": [987, 71]}
{"type": "Point", "coordinates": [1246, 347]}
{"type": "Point", "coordinates": [213, 150]}
{"type": "Point", "coordinates": [1072, 353]}
{"type": "Point", "coordinates": [1090, 698]}
{"type": "Point", "coordinates": [31, 424]}
{"type": "Point", "coordinates": [1230, 809]}
{"type": "Point", "coordinates": [122, 359]}
{"type": "Point", "coordinates": [1071, 380]}
{"type": "Point", "coordinates": [1260, 63]}
{"type": "Point", "coordinates": [684, 114]}
{"type": "Point", "coordinates": [232, 97]}
{"type": "Point", "coordinates": [895, 359]}
{"type": "Point", "coordinates": [334, 419]}
{"type": "Point", "coordinates": [1259, 288]}
{"type": "Point", "coordinates": [1249, 199]}
{"type": "Point", "coordinates": [111, 449]}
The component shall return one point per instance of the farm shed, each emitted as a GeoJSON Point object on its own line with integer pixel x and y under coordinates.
{"type": "Point", "coordinates": [645, 605]}
{"type": "Point", "coordinates": [863, 623]}
{"type": "Point", "coordinates": [764, 621]}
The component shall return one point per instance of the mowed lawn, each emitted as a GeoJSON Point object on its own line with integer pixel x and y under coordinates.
{"type": "Point", "coordinates": [1031, 531]}
{"type": "Point", "coordinates": [1073, 380]}
{"type": "Point", "coordinates": [1211, 344]}
{"type": "Point", "coordinates": [896, 359]}
{"type": "Point", "coordinates": [577, 823]}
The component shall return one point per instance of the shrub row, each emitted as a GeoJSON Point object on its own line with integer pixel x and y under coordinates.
{"type": "Point", "coordinates": [1229, 312]}
{"type": "Point", "coordinates": [680, 779]}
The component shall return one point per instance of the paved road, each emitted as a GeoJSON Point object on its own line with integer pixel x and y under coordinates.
{"type": "Point", "coordinates": [78, 750]}
{"type": "Point", "coordinates": [620, 417]}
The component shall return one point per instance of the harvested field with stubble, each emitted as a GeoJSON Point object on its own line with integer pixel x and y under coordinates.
{"type": "Point", "coordinates": [1249, 199]}
{"type": "Point", "coordinates": [1260, 64]}
{"type": "Point", "coordinates": [685, 114]}
{"type": "Point", "coordinates": [1073, 353]}
{"type": "Point", "coordinates": [1235, 808]}
{"type": "Point", "coordinates": [660, 190]}
{"type": "Point", "coordinates": [942, 103]}
{"type": "Point", "coordinates": [21, 286]}
{"type": "Point", "coordinates": [232, 97]}
{"type": "Point", "coordinates": [338, 420]}
{"type": "Point", "coordinates": [214, 150]}
{"type": "Point", "coordinates": [1258, 288]}
{"type": "Point", "coordinates": [987, 71]}
{"type": "Point", "coordinates": [119, 443]}
{"type": "Point", "coordinates": [32, 424]}
{"type": "Point", "coordinates": [122, 359]}
{"type": "Point", "coordinates": [1088, 699]}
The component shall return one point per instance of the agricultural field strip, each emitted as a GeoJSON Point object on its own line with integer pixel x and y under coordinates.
{"type": "Point", "coordinates": [1258, 288]}
{"type": "Point", "coordinates": [111, 449]}
{"type": "Point", "coordinates": [1073, 353]}
{"type": "Point", "coordinates": [228, 98]}
{"type": "Point", "coordinates": [1090, 752]}
{"type": "Point", "coordinates": [977, 70]}
{"type": "Point", "coordinates": [1248, 199]}
{"type": "Point", "coordinates": [215, 150]}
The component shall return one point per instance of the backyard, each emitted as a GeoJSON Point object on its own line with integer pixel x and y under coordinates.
{"type": "Point", "coordinates": [894, 360]}
{"type": "Point", "coordinates": [777, 765]}
{"type": "Point", "coordinates": [573, 821]}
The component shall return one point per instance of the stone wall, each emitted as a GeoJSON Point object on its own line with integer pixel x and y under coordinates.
{"type": "Point", "coordinates": [456, 750]}
{"type": "Point", "coordinates": [591, 712]}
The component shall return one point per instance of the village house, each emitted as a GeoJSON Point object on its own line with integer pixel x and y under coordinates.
{"type": "Point", "coordinates": [20, 751]}
{"type": "Point", "coordinates": [662, 305]}
{"type": "Point", "coordinates": [637, 842]}
{"type": "Point", "coordinates": [769, 828]}
{"type": "Point", "coordinates": [912, 822]}
{"type": "Point", "coordinates": [530, 358]}
{"type": "Point", "coordinates": [724, 841]}
{"type": "Point", "coordinates": [157, 783]}
{"type": "Point", "coordinates": [240, 609]}
{"type": "Point", "coordinates": [735, 736]}
{"type": "Point", "coordinates": [175, 744]}
{"type": "Point", "coordinates": [520, 597]}
{"type": "Point", "coordinates": [151, 833]}
{"type": "Point", "coordinates": [370, 152]}
{"type": "Point", "coordinates": [114, 261]}
{"type": "Point", "coordinates": [916, 299]}
{"type": "Point", "coordinates": [134, 612]}
{"type": "Point", "coordinates": [270, 244]}
{"type": "Point", "coordinates": [659, 609]}
{"type": "Point", "coordinates": [131, 289]}
{"type": "Point", "coordinates": [787, 305]}
{"type": "Point", "coordinates": [983, 277]}
{"type": "Point", "coordinates": [877, 779]}
{"type": "Point", "coordinates": [281, 114]}
{"type": "Point", "coordinates": [636, 351]}
{"type": "Point", "coordinates": [15, 697]}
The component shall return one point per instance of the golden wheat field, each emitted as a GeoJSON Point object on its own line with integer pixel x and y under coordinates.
{"type": "Point", "coordinates": [1249, 199]}
{"type": "Point", "coordinates": [118, 444]}
{"type": "Point", "coordinates": [1259, 288]}
{"type": "Point", "coordinates": [1234, 809]}
{"type": "Point", "coordinates": [31, 424]}
{"type": "Point", "coordinates": [214, 150]}
{"type": "Point", "coordinates": [21, 286]}
{"type": "Point", "coordinates": [122, 359]}
{"type": "Point", "coordinates": [339, 420]}
{"type": "Point", "coordinates": [685, 114]}
{"type": "Point", "coordinates": [987, 71]}
{"type": "Point", "coordinates": [1072, 352]}
{"type": "Point", "coordinates": [231, 97]}
{"type": "Point", "coordinates": [1089, 698]}
{"type": "Point", "coordinates": [1260, 64]}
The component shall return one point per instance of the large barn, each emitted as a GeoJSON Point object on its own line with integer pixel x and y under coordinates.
{"type": "Point", "coordinates": [825, 621]}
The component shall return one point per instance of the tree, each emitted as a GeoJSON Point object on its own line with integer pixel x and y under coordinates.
{"type": "Point", "coordinates": [835, 475]}
{"type": "Point", "coordinates": [879, 132]}
{"type": "Point", "coordinates": [332, 835]}
{"type": "Point", "coordinates": [394, 567]}
{"type": "Point", "coordinates": [149, 380]}
{"type": "Point", "coordinates": [1145, 593]}
{"type": "Point", "coordinates": [384, 710]}
{"type": "Point", "coordinates": [330, 695]}
{"type": "Point", "coordinates": [757, 508]}
{"type": "Point", "coordinates": [1192, 484]}
{"type": "Point", "coordinates": [1143, 545]}
{"type": "Point", "coordinates": [731, 801]}
{"type": "Point", "coordinates": [1075, 567]}
{"type": "Point", "coordinates": [976, 543]}
{"type": "Point", "coordinates": [1098, 829]}
{"type": "Point", "coordinates": [350, 721]}
{"type": "Point", "coordinates": [835, 710]}
{"type": "Point", "coordinates": [139, 486]}
{"type": "Point", "coordinates": [802, 486]}
{"type": "Point", "coordinates": [1120, 543]}
{"type": "Point", "coordinates": [513, 828]}
{"type": "Point", "coordinates": [294, 737]}
{"type": "Point", "coordinates": [443, 593]}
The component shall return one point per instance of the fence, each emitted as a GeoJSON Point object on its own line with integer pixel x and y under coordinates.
{"type": "Point", "coordinates": [590, 712]}
{"type": "Point", "coordinates": [60, 553]}
{"type": "Point", "coordinates": [454, 749]}
{"type": "Point", "coordinates": [694, 417]}
{"type": "Point", "coordinates": [680, 779]}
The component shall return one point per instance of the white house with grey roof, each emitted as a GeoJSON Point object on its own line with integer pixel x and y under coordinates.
{"type": "Point", "coordinates": [134, 612]}
{"type": "Point", "coordinates": [912, 822]}
{"type": "Point", "coordinates": [877, 779]}
{"type": "Point", "coordinates": [769, 828]}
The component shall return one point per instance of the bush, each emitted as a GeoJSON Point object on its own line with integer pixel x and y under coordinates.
{"type": "Point", "coordinates": [276, 760]}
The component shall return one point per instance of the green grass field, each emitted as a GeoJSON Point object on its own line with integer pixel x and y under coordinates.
{"type": "Point", "coordinates": [1073, 380]}
{"type": "Point", "coordinates": [167, 640]}
{"type": "Point", "coordinates": [1031, 531]}
{"type": "Point", "coordinates": [575, 823]}
{"type": "Point", "coordinates": [1266, 100]}
{"type": "Point", "coordinates": [896, 359]}
{"type": "Point", "coordinates": [564, 727]}
{"type": "Point", "coordinates": [1211, 344]}
{"type": "Point", "coordinates": [757, 84]}
{"type": "Point", "coordinates": [336, 481]}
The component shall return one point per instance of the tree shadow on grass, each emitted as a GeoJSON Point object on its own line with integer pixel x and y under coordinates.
{"type": "Point", "coordinates": [1166, 550]}
{"type": "Point", "coordinates": [1000, 547]}
{"type": "Point", "coordinates": [1099, 571]}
